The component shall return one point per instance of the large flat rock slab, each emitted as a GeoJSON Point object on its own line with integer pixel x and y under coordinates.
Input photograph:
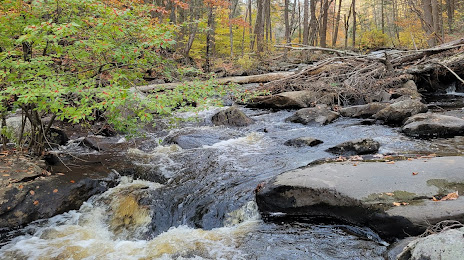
{"type": "Point", "coordinates": [393, 198]}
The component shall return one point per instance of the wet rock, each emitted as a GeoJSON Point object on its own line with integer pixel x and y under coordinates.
{"type": "Point", "coordinates": [102, 143]}
{"type": "Point", "coordinates": [320, 114]}
{"type": "Point", "coordinates": [363, 111]}
{"type": "Point", "coordinates": [285, 100]}
{"type": "Point", "coordinates": [28, 193]}
{"type": "Point", "coordinates": [427, 125]}
{"type": "Point", "coordinates": [198, 137]}
{"type": "Point", "coordinates": [397, 112]}
{"type": "Point", "coordinates": [408, 90]}
{"type": "Point", "coordinates": [354, 147]}
{"type": "Point", "coordinates": [386, 197]}
{"type": "Point", "coordinates": [448, 244]}
{"type": "Point", "coordinates": [57, 137]}
{"type": "Point", "coordinates": [396, 248]}
{"type": "Point", "coordinates": [303, 141]}
{"type": "Point", "coordinates": [231, 117]}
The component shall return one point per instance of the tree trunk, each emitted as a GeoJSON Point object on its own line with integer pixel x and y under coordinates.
{"type": "Point", "coordinates": [306, 22]}
{"type": "Point", "coordinates": [312, 23]}
{"type": "Point", "coordinates": [382, 15]}
{"type": "Point", "coordinates": [259, 27]}
{"type": "Point", "coordinates": [450, 6]}
{"type": "Point", "coordinates": [337, 22]}
{"type": "Point", "coordinates": [428, 22]}
{"type": "Point", "coordinates": [209, 38]}
{"type": "Point", "coordinates": [354, 23]}
{"type": "Point", "coordinates": [233, 6]}
{"type": "Point", "coordinates": [323, 30]}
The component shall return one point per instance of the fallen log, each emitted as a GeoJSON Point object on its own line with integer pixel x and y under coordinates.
{"type": "Point", "coordinates": [263, 78]}
{"type": "Point", "coordinates": [359, 78]}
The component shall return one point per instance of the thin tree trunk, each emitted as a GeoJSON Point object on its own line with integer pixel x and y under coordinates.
{"type": "Point", "coordinates": [323, 30]}
{"type": "Point", "coordinates": [382, 15]}
{"type": "Point", "coordinates": [354, 23]}
{"type": "Point", "coordinates": [209, 38]}
{"type": "Point", "coordinates": [306, 22]}
{"type": "Point", "coordinates": [259, 27]}
{"type": "Point", "coordinates": [337, 22]}
{"type": "Point", "coordinates": [312, 23]}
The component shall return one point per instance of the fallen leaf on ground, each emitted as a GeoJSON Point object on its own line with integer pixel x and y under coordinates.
{"type": "Point", "coordinates": [396, 204]}
{"type": "Point", "coordinates": [435, 199]}
{"type": "Point", "coordinates": [5, 175]}
{"type": "Point", "coordinates": [20, 187]}
{"type": "Point", "coordinates": [415, 173]}
{"type": "Point", "coordinates": [354, 164]}
{"type": "Point", "coordinates": [55, 190]}
{"type": "Point", "coordinates": [32, 192]}
{"type": "Point", "coordinates": [356, 158]}
{"type": "Point", "coordinates": [404, 203]}
{"type": "Point", "coordinates": [451, 196]}
{"type": "Point", "coordinates": [410, 159]}
{"type": "Point", "coordinates": [72, 181]}
{"type": "Point", "coordinates": [36, 202]}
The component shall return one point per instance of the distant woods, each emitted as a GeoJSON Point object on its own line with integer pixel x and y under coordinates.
{"type": "Point", "coordinates": [237, 29]}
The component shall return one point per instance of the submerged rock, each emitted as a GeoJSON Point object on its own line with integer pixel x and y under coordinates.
{"type": "Point", "coordinates": [231, 117]}
{"type": "Point", "coordinates": [354, 147]}
{"type": "Point", "coordinates": [285, 100]}
{"type": "Point", "coordinates": [320, 114]}
{"type": "Point", "coordinates": [397, 112]}
{"type": "Point", "coordinates": [386, 197]}
{"type": "Point", "coordinates": [303, 141]}
{"type": "Point", "coordinates": [446, 245]}
{"type": "Point", "coordinates": [363, 111]}
{"type": "Point", "coordinates": [427, 125]}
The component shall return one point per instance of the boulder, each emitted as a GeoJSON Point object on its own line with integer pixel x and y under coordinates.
{"type": "Point", "coordinates": [197, 137]}
{"type": "Point", "coordinates": [231, 117]}
{"type": "Point", "coordinates": [285, 100]}
{"type": "Point", "coordinates": [303, 141]}
{"type": "Point", "coordinates": [29, 193]}
{"type": "Point", "coordinates": [363, 111]}
{"type": "Point", "coordinates": [448, 244]}
{"type": "Point", "coordinates": [14, 123]}
{"type": "Point", "coordinates": [427, 125]}
{"type": "Point", "coordinates": [407, 90]}
{"type": "Point", "coordinates": [386, 197]}
{"type": "Point", "coordinates": [356, 147]}
{"type": "Point", "coordinates": [397, 112]}
{"type": "Point", "coordinates": [314, 115]}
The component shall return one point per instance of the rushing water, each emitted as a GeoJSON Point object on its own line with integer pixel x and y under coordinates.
{"type": "Point", "coordinates": [198, 203]}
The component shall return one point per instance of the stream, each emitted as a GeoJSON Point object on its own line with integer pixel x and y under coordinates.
{"type": "Point", "coordinates": [198, 203]}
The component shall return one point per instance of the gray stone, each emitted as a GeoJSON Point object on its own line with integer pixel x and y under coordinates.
{"type": "Point", "coordinates": [366, 194]}
{"type": "Point", "coordinates": [397, 112]}
{"type": "Point", "coordinates": [231, 117]}
{"type": "Point", "coordinates": [303, 141]}
{"type": "Point", "coordinates": [285, 100]}
{"type": "Point", "coordinates": [426, 125]}
{"type": "Point", "coordinates": [358, 146]}
{"type": "Point", "coordinates": [407, 90]}
{"type": "Point", "coordinates": [14, 125]}
{"type": "Point", "coordinates": [446, 245]}
{"type": "Point", "coordinates": [363, 111]}
{"type": "Point", "coordinates": [319, 114]}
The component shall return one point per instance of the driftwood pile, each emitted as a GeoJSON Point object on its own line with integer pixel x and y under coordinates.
{"type": "Point", "coordinates": [353, 79]}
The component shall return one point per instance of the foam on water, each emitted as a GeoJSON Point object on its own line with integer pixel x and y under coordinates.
{"type": "Point", "coordinates": [90, 233]}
